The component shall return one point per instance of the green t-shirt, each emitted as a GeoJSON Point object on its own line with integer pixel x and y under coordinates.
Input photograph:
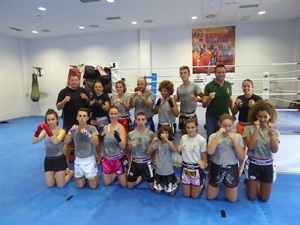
{"type": "Point", "coordinates": [220, 104]}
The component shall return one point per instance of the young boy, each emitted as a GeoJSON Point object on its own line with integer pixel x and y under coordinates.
{"type": "Point", "coordinates": [188, 94]}
{"type": "Point", "coordinates": [141, 166]}
{"type": "Point", "coordinates": [86, 139]}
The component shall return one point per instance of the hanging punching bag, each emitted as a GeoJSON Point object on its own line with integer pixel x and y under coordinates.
{"type": "Point", "coordinates": [35, 93]}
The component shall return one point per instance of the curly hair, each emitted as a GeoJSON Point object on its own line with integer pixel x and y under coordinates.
{"type": "Point", "coordinates": [263, 105]}
{"type": "Point", "coordinates": [167, 85]}
{"type": "Point", "coordinates": [162, 129]}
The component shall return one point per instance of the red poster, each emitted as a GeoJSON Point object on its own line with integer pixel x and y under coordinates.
{"type": "Point", "coordinates": [212, 46]}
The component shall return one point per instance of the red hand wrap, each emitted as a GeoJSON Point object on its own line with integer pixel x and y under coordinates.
{"type": "Point", "coordinates": [47, 129]}
{"type": "Point", "coordinates": [38, 130]}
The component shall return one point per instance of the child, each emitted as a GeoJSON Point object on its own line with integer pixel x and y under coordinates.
{"type": "Point", "coordinates": [166, 107]}
{"type": "Point", "coordinates": [164, 178]}
{"type": "Point", "coordinates": [141, 166]}
{"type": "Point", "coordinates": [99, 106]}
{"type": "Point", "coordinates": [192, 147]}
{"type": "Point", "coordinates": [55, 164]}
{"type": "Point", "coordinates": [262, 140]}
{"type": "Point", "coordinates": [114, 161]}
{"type": "Point", "coordinates": [226, 149]}
{"type": "Point", "coordinates": [85, 139]}
{"type": "Point", "coordinates": [188, 94]}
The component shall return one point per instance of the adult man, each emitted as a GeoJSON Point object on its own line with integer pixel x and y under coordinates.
{"type": "Point", "coordinates": [217, 99]}
{"type": "Point", "coordinates": [142, 100]}
{"type": "Point", "coordinates": [70, 99]}
{"type": "Point", "coordinates": [188, 94]}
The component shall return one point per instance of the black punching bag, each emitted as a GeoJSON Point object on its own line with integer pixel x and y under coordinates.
{"type": "Point", "coordinates": [35, 93]}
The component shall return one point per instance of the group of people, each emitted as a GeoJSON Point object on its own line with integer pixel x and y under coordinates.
{"type": "Point", "coordinates": [131, 151]}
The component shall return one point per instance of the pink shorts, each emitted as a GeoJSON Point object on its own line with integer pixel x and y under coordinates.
{"type": "Point", "coordinates": [118, 166]}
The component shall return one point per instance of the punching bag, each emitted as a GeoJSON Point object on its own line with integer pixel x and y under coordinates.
{"type": "Point", "coordinates": [35, 93]}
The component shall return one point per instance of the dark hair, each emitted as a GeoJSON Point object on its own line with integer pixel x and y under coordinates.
{"type": "Point", "coordinates": [144, 78]}
{"type": "Point", "coordinates": [225, 116]}
{"type": "Point", "coordinates": [162, 129]}
{"type": "Point", "coordinates": [84, 110]}
{"type": "Point", "coordinates": [50, 112]}
{"type": "Point", "coordinates": [191, 120]}
{"type": "Point", "coordinates": [113, 107]}
{"type": "Point", "coordinates": [248, 80]}
{"type": "Point", "coordinates": [263, 105]}
{"type": "Point", "coordinates": [220, 66]}
{"type": "Point", "coordinates": [123, 84]}
{"type": "Point", "coordinates": [140, 114]}
{"type": "Point", "coordinates": [167, 85]}
{"type": "Point", "coordinates": [185, 68]}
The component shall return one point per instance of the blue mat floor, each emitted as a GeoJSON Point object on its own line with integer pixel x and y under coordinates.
{"type": "Point", "coordinates": [25, 199]}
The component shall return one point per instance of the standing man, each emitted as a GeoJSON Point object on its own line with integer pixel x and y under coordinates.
{"type": "Point", "coordinates": [188, 94]}
{"type": "Point", "coordinates": [142, 100]}
{"type": "Point", "coordinates": [70, 99]}
{"type": "Point", "coordinates": [217, 99]}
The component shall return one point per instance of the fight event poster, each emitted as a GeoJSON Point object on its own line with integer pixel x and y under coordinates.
{"type": "Point", "coordinates": [212, 46]}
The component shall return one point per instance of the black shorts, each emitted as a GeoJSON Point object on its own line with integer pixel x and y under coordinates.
{"type": "Point", "coordinates": [264, 173]}
{"type": "Point", "coordinates": [55, 164]}
{"type": "Point", "coordinates": [182, 120]}
{"type": "Point", "coordinates": [145, 170]}
{"type": "Point", "coordinates": [224, 174]}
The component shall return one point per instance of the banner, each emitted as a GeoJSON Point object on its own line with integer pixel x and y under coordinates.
{"type": "Point", "coordinates": [212, 46]}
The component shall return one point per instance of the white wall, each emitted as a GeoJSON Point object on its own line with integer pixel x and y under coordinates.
{"type": "Point", "coordinates": [274, 42]}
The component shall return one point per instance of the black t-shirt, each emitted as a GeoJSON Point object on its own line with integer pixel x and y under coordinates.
{"type": "Point", "coordinates": [71, 108]}
{"type": "Point", "coordinates": [244, 107]}
{"type": "Point", "coordinates": [97, 110]}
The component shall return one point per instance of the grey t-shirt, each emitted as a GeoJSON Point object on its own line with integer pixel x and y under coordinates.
{"type": "Point", "coordinates": [84, 148]}
{"type": "Point", "coordinates": [143, 140]}
{"type": "Point", "coordinates": [262, 148]}
{"type": "Point", "coordinates": [53, 150]}
{"type": "Point", "coordinates": [163, 157]}
{"type": "Point", "coordinates": [184, 93]}
{"type": "Point", "coordinates": [140, 106]}
{"type": "Point", "coordinates": [111, 146]}
{"type": "Point", "coordinates": [225, 153]}
{"type": "Point", "coordinates": [165, 114]}
{"type": "Point", "coordinates": [125, 99]}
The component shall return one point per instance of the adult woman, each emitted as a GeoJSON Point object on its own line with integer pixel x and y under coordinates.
{"type": "Point", "coordinates": [55, 164]}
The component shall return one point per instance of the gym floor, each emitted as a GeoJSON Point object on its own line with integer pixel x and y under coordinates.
{"type": "Point", "coordinates": [25, 199]}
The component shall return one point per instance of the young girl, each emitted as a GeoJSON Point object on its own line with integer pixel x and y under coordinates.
{"type": "Point", "coordinates": [55, 164]}
{"type": "Point", "coordinates": [164, 178]}
{"type": "Point", "coordinates": [226, 149]}
{"type": "Point", "coordinates": [166, 107]}
{"type": "Point", "coordinates": [262, 141]}
{"type": "Point", "coordinates": [114, 162]}
{"type": "Point", "coordinates": [122, 101]}
{"type": "Point", "coordinates": [99, 106]}
{"type": "Point", "coordinates": [192, 147]}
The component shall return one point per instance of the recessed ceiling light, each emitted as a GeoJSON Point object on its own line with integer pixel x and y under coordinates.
{"type": "Point", "coordinates": [81, 27]}
{"type": "Point", "coordinates": [134, 22]}
{"type": "Point", "coordinates": [34, 32]}
{"type": "Point", "coordinates": [261, 12]}
{"type": "Point", "coordinates": [148, 21]}
{"type": "Point", "coordinates": [42, 8]}
{"type": "Point", "coordinates": [210, 16]}
{"type": "Point", "coordinates": [194, 17]}
{"type": "Point", "coordinates": [110, 0]}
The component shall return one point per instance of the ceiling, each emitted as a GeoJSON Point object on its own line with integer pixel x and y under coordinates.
{"type": "Point", "coordinates": [63, 17]}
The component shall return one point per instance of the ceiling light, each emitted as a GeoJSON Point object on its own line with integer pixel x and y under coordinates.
{"type": "Point", "coordinates": [93, 26]}
{"type": "Point", "coordinates": [34, 32]}
{"type": "Point", "coordinates": [210, 16]}
{"type": "Point", "coordinates": [42, 8]}
{"type": "Point", "coordinates": [46, 30]}
{"type": "Point", "coordinates": [110, 0]}
{"type": "Point", "coordinates": [261, 12]}
{"type": "Point", "coordinates": [134, 22]}
{"type": "Point", "coordinates": [194, 17]}
{"type": "Point", "coordinates": [81, 27]}
{"type": "Point", "coordinates": [148, 21]}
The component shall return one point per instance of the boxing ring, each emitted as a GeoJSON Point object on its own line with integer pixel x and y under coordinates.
{"type": "Point", "coordinates": [280, 84]}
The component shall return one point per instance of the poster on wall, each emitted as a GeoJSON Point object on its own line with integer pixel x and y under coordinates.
{"type": "Point", "coordinates": [212, 46]}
